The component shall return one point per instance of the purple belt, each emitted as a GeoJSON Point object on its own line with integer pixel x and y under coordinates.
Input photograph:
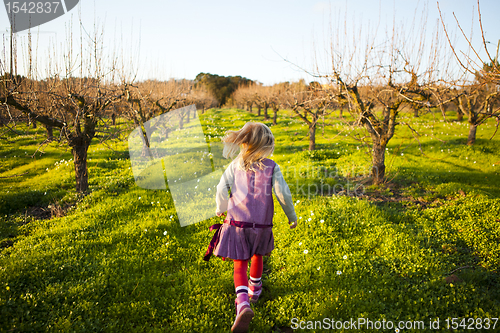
{"type": "Point", "coordinates": [239, 224]}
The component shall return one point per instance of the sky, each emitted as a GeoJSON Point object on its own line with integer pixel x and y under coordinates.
{"type": "Point", "coordinates": [269, 41]}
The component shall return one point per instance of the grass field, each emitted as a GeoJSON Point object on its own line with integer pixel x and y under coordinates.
{"type": "Point", "coordinates": [424, 246]}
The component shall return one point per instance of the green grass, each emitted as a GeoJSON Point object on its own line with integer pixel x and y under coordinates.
{"type": "Point", "coordinates": [119, 260]}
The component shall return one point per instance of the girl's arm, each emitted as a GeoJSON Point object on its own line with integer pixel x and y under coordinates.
{"type": "Point", "coordinates": [223, 187]}
{"type": "Point", "coordinates": [283, 194]}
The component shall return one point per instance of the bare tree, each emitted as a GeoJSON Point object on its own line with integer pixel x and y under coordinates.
{"type": "Point", "coordinates": [261, 98]}
{"type": "Point", "coordinates": [203, 99]}
{"type": "Point", "coordinates": [243, 96]}
{"type": "Point", "coordinates": [308, 103]}
{"type": "Point", "coordinates": [377, 76]}
{"type": "Point", "coordinates": [151, 98]}
{"type": "Point", "coordinates": [478, 102]}
{"type": "Point", "coordinates": [74, 105]}
{"type": "Point", "coordinates": [479, 96]}
{"type": "Point", "coordinates": [278, 98]}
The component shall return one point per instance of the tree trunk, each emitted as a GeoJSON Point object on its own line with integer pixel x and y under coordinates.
{"type": "Point", "coordinates": [50, 133]}
{"type": "Point", "coordinates": [472, 134]}
{"type": "Point", "coordinates": [188, 114]}
{"type": "Point", "coordinates": [275, 116]}
{"type": "Point", "coordinates": [312, 135]}
{"type": "Point", "coordinates": [266, 116]}
{"type": "Point", "coordinates": [378, 162]}
{"type": "Point", "coordinates": [323, 123]}
{"type": "Point", "coordinates": [258, 110]}
{"type": "Point", "coordinates": [341, 110]}
{"type": "Point", "coordinates": [415, 112]}
{"type": "Point", "coordinates": [81, 174]}
{"type": "Point", "coordinates": [460, 115]}
{"type": "Point", "coordinates": [113, 119]}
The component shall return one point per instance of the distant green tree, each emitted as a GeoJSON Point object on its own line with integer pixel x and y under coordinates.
{"type": "Point", "coordinates": [221, 87]}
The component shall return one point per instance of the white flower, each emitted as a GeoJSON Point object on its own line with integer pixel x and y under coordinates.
{"type": "Point", "coordinates": [166, 243]}
{"type": "Point", "coordinates": [312, 214]}
{"type": "Point", "coordinates": [139, 198]}
{"type": "Point", "coordinates": [309, 219]}
{"type": "Point", "coordinates": [345, 257]}
{"type": "Point", "coordinates": [322, 221]}
{"type": "Point", "coordinates": [165, 232]}
{"type": "Point", "coordinates": [145, 230]}
{"type": "Point", "coordinates": [297, 201]}
{"type": "Point", "coordinates": [339, 272]}
{"type": "Point", "coordinates": [319, 268]}
{"type": "Point", "coordinates": [306, 251]}
{"type": "Point", "coordinates": [397, 330]}
{"type": "Point", "coordinates": [300, 243]}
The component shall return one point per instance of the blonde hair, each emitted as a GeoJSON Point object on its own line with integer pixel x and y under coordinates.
{"type": "Point", "coordinates": [256, 142]}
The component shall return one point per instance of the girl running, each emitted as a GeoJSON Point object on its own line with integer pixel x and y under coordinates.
{"type": "Point", "coordinates": [246, 234]}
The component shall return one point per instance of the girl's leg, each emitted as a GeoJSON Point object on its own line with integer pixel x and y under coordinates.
{"type": "Point", "coordinates": [256, 268]}
{"type": "Point", "coordinates": [240, 276]}
{"type": "Point", "coordinates": [255, 283]}
{"type": "Point", "coordinates": [244, 313]}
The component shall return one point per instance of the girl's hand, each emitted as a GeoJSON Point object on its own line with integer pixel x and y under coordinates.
{"type": "Point", "coordinates": [292, 224]}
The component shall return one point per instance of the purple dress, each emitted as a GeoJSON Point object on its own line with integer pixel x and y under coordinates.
{"type": "Point", "coordinates": [251, 201]}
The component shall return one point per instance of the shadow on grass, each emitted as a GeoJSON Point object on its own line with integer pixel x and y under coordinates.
{"type": "Point", "coordinates": [449, 184]}
{"type": "Point", "coordinates": [19, 202]}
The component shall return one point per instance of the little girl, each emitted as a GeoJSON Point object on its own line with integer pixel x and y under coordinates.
{"type": "Point", "coordinates": [247, 230]}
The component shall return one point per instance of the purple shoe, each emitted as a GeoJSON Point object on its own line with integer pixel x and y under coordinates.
{"type": "Point", "coordinates": [244, 314]}
{"type": "Point", "coordinates": [254, 291]}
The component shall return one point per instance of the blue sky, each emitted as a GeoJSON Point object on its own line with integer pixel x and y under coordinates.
{"type": "Point", "coordinates": [179, 39]}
